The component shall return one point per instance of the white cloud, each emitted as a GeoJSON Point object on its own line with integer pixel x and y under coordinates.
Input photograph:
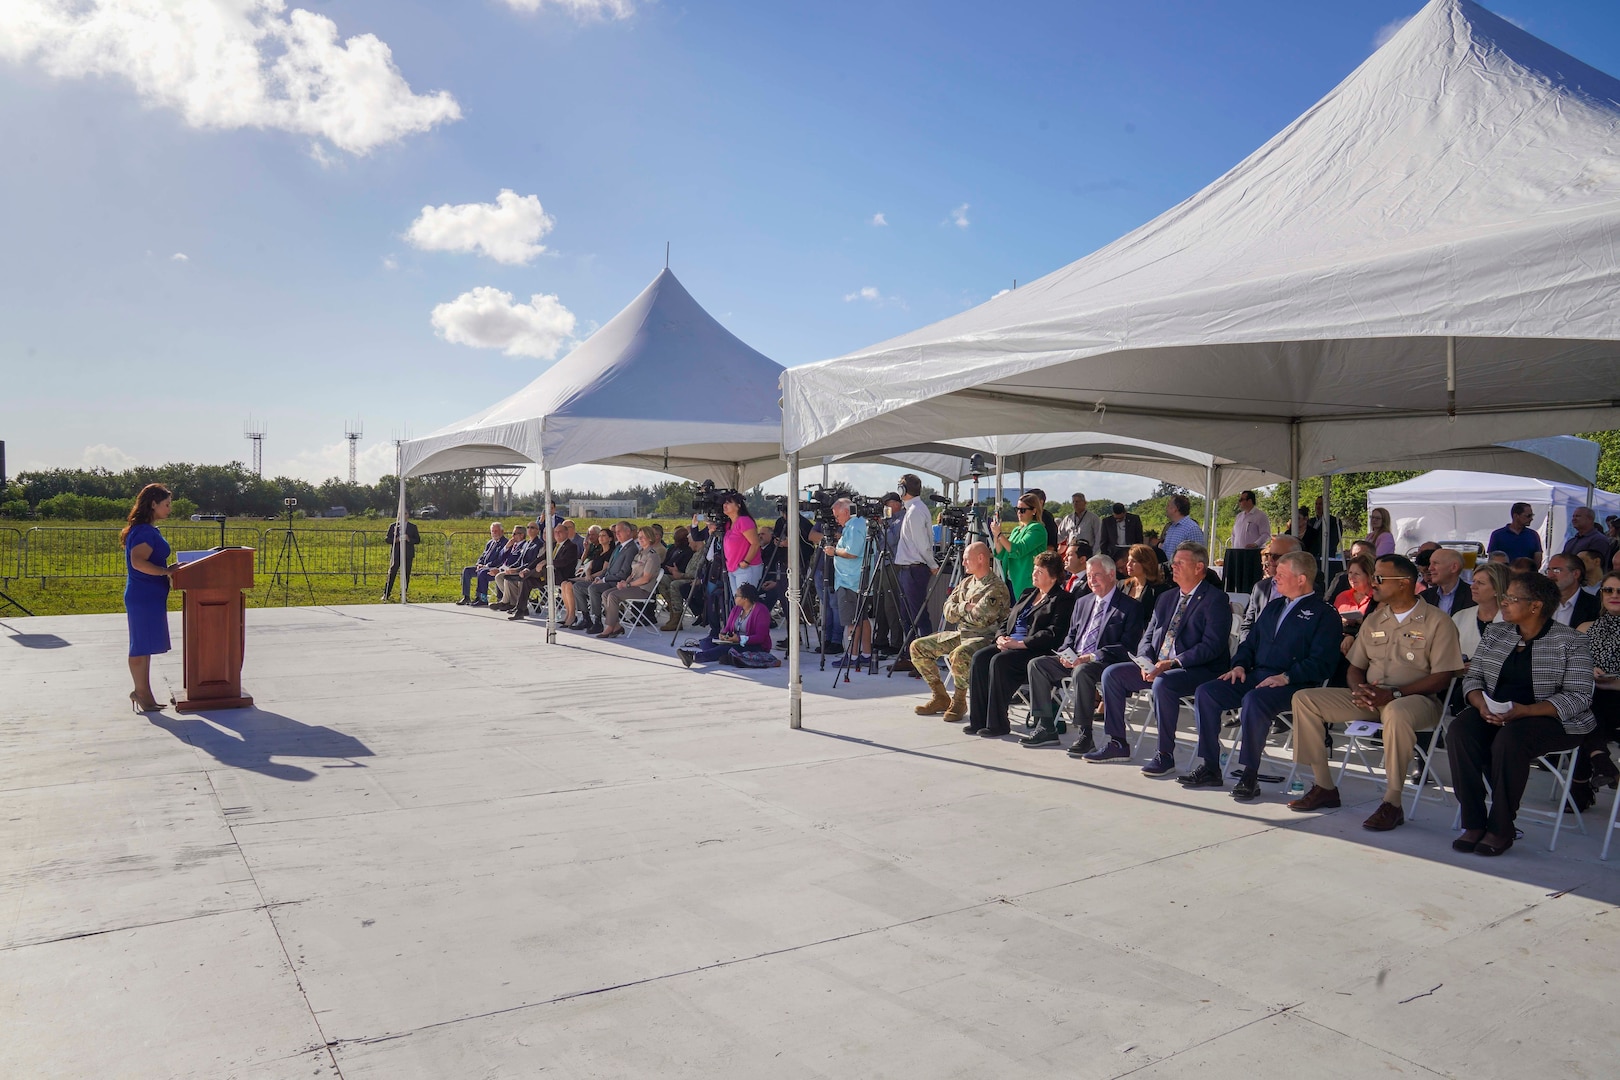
{"type": "Point", "coordinates": [508, 230]}
{"type": "Point", "coordinates": [959, 216]}
{"type": "Point", "coordinates": [1389, 30]}
{"type": "Point", "coordinates": [584, 9]}
{"type": "Point", "coordinates": [879, 219]}
{"type": "Point", "coordinates": [487, 318]}
{"type": "Point", "coordinates": [179, 256]}
{"type": "Point", "coordinates": [102, 456]}
{"type": "Point", "coordinates": [230, 64]}
{"type": "Point", "coordinates": [867, 292]}
{"type": "Point", "coordinates": [390, 263]}
{"type": "Point", "coordinates": [374, 461]}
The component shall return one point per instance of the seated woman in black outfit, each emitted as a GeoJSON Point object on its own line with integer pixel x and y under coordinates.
{"type": "Point", "coordinates": [1035, 627]}
{"type": "Point", "coordinates": [1541, 671]}
{"type": "Point", "coordinates": [1596, 768]}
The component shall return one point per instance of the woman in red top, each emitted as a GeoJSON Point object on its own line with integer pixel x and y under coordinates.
{"type": "Point", "coordinates": [1356, 602]}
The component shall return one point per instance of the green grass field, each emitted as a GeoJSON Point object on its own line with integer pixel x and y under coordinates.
{"type": "Point", "coordinates": [77, 568]}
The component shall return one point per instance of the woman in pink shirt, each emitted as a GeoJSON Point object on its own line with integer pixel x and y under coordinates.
{"type": "Point", "coordinates": [1378, 534]}
{"type": "Point", "coordinates": [742, 547]}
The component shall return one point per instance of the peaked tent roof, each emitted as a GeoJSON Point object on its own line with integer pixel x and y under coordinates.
{"type": "Point", "coordinates": [627, 396]}
{"type": "Point", "coordinates": [1463, 183]}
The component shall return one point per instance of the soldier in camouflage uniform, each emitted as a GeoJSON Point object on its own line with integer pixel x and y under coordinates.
{"type": "Point", "coordinates": [977, 606]}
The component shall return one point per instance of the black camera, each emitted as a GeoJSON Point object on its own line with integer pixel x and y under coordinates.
{"type": "Point", "coordinates": [818, 503]}
{"type": "Point", "coordinates": [958, 517]}
{"type": "Point", "coordinates": [710, 501]}
{"type": "Point", "coordinates": [869, 508]}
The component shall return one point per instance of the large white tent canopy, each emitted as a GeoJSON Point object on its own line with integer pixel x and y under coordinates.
{"type": "Point", "coordinates": [1376, 281]}
{"type": "Point", "coordinates": [660, 386]}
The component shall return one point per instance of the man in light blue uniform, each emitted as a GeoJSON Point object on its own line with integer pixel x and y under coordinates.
{"type": "Point", "coordinates": [846, 556]}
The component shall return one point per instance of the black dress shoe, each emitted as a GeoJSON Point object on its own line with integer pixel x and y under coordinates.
{"type": "Point", "coordinates": [1203, 776]}
{"type": "Point", "coordinates": [1042, 736]}
{"type": "Point", "coordinates": [992, 733]}
{"type": "Point", "coordinates": [1084, 745]}
{"type": "Point", "coordinates": [969, 729]}
{"type": "Point", "coordinates": [1247, 787]}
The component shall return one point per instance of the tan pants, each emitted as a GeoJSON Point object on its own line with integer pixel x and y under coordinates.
{"type": "Point", "coordinates": [613, 602]}
{"type": "Point", "coordinates": [1402, 718]}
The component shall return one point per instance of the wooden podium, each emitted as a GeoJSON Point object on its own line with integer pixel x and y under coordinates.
{"type": "Point", "coordinates": [214, 617]}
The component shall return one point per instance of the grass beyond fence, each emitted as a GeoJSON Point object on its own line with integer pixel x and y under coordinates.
{"type": "Point", "coordinates": [78, 568]}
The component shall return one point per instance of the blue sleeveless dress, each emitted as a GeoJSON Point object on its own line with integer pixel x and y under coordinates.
{"type": "Point", "coordinates": [146, 598]}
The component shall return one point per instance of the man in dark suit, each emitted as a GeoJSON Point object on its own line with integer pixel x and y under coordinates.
{"type": "Point", "coordinates": [510, 578]}
{"type": "Point", "coordinates": [483, 569]}
{"type": "Point", "coordinates": [1294, 644]}
{"type": "Point", "coordinates": [1185, 646]}
{"type": "Point", "coordinates": [1119, 532]}
{"type": "Point", "coordinates": [1105, 629]}
{"type": "Point", "coordinates": [1576, 606]}
{"type": "Point", "coordinates": [1446, 589]}
{"type": "Point", "coordinates": [566, 555]}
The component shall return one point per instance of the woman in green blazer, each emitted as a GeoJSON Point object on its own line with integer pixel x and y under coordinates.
{"type": "Point", "coordinates": [1017, 552]}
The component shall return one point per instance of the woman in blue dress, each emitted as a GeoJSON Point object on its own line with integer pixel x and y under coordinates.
{"type": "Point", "coordinates": [146, 595]}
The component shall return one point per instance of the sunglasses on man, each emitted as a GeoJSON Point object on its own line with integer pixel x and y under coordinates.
{"type": "Point", "coordinates": [1379, 579]}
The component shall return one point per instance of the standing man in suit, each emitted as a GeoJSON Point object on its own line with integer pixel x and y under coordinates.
{"type": "Point", "coordinates": [1105, 629]}
{"type": "Point", "coordinates": [1119, 532]}
{"type": "Point", "coordinates": [391, 538]}
{"type": "Point", "coordinates": [1294, 644]}
{"type": "Point", "coordinates": [1185, 646]}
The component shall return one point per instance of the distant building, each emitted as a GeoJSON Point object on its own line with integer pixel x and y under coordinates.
{"type": "Point", "coordinates": [601, 508]}
{"type": "Point", "coordinates": [337, 511]}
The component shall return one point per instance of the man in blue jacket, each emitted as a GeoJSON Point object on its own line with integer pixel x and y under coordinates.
{"type": "Point", "coordinates": [1185, 646]}
{"type": "Point", "coordinates": [1293, 644]}
{"type": "Point", "coordinates": [1105, 628]}
{"type": "Point", "coordinates": [484, 569]}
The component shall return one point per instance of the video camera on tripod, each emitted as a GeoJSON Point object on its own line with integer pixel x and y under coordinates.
{"type": "Point", "coordinates": [818, 503]}
{"type": "Point", "coordinates": [710, 501]}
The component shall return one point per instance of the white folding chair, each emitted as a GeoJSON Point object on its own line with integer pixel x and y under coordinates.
{"type": "Point", "coordinates": [1561, 767]}
{"type": "Point", "coordinates": [642, 611]}
{"type": "Point", "coordinates": [1362, 746]}
{"type": "Point", "coordinates": [1608, 834]}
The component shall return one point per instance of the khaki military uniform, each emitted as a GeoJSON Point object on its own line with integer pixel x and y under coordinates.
{"type": "Point", "coordinates": [1393, 654]}
{"type": "Point", "coordinates": [978, 606]}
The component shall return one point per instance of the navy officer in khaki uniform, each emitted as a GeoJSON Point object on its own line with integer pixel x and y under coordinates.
{"type": "Point", "coordinates": [1405, 655]}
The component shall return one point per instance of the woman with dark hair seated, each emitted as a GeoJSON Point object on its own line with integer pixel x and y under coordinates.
{"type": "Point", "coordinates": [1036, 626]}
{"type": "Point", "coordinates": [1529, 693]}
{"type": "Point", "coordinates": [748, 628]}
{"type": "Point", "coordinates": [1596, 768]}
{"type": "Point", "coordinates": [1141, 577]}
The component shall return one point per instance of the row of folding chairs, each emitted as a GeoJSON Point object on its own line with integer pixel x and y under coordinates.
{"type": "Point", "coordinates": [1366, 751]}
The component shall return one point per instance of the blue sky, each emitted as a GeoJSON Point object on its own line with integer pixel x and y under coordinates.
{"type": "Point", "coordinates": [998, 142]}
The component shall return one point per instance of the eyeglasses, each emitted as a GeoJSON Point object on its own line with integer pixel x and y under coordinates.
{"type": "Point", "coordinates": [1509, 598]}
{"type": "Point", "coordinates": [1269, 557]}
{"type": "Point", "coordinates": [1610, 590]}
{"type": "Point", "coordinates": [1379, 579]}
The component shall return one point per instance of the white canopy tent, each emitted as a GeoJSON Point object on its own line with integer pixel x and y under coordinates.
{"type": "Point", "coordinates": [1561, 458]}
{"type": "Point", "coordinates": [1375, 281]}
{"type": "Point", "coordinates": [1449, 505]}
{"type": "Point", "coordinates": [660, 386]}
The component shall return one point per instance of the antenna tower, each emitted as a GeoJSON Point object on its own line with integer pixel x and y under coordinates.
{"type": "Point", "coordinates": [256, 432]}
{"type": "Point", "coordinates": [353, 432]}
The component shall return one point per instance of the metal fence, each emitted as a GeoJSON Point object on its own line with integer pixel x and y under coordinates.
{"type": "Point", "coordinates": [97, 551]}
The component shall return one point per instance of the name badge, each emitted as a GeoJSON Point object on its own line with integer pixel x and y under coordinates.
{"type": "Point", "coordinates": [1379, 635]}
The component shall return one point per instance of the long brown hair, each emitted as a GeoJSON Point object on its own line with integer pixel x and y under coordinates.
{"type": "Point", "coordinates": [1147, 560]}
{"type": "Point", "coordinates": [141, 512]}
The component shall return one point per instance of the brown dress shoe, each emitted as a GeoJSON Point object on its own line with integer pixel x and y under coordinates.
{"type": "Point", "coordinates": [1385, 818]}
{"type": "Point", "coordinates": [1318, 798]}
{"type": "Point", "coordinates": [958, 707]}
{"type": "Point", "coordinates": [936, 704]}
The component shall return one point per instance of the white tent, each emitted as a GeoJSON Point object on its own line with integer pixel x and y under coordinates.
{"type": "Point", "coordinates": [660, 386]}
{"type": "Point", "coordinates": [1425, 260]}
{"type": "Point", "coordinates": [1449, 505]}
{"type": "Point", "coordinates": [1374, 281]}
{"type": "Point", "coordinates": [1562, 458]}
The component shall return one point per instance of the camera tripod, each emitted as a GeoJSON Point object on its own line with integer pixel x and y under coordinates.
{"type": "Point", "coordinates": [6, 601]}
{"type": "Point", "coordinates": [283, 573]}
{"type": "Point", "coordinates": [715, 559]}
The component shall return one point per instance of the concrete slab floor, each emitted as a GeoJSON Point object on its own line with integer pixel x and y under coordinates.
{"type": "Point", "coordinates": [439, 848]}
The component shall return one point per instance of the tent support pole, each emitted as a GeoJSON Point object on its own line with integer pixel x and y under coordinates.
{"type": "Point", "coordinates": [1023, 479]}
{"type": "Point", "coordinates": [825, 477]}
{"type": "Point", "coordinates": [795, 584]}
{"type": "Point", "coordinates": [1209, 509]}
{"type": "Point", "coordinates": [1000, 483]}
{"type": "Point", "coordinates": [550, 539]}
{"type": "Point", "coordinates": [1326, 518]}
{"type": "Point", "coordinates": [399, 537]}
{"type": "Point", "coordinates": [1451, 379]}
{"type": "Point", "coordinates": [1293, 480]}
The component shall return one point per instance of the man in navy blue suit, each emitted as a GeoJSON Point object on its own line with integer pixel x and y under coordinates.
{"type": "Point", "coordinates": [1293, 644]}
{"type": "Point", "coordinates": [1184, 647]}
{"type": "Point", "coordinates": [485, 568]}
{"type": "Point", "coordinates": [1104, 629]}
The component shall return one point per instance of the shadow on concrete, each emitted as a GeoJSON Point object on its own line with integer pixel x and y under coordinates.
{"type": "Point", "coordinates": [1573, 869]}
{"type": "Point", "coordinates": [40, 641]}
{"type": "Point", "coordinates": [250, 738]}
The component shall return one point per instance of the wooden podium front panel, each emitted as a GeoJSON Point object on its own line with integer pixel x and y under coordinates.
{"type": "Point", "coordinates": [215, 629]}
